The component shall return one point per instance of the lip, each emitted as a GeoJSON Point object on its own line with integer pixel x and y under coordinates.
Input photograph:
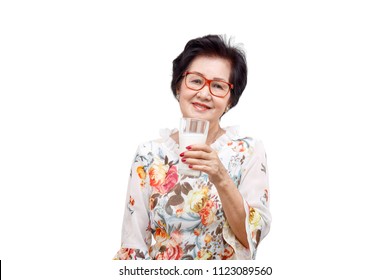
{"type": "Point", "coordinates": [200, 106]}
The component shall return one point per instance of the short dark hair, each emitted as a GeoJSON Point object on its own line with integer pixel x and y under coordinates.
{"type": "Point", "coordinates": [213, 45]}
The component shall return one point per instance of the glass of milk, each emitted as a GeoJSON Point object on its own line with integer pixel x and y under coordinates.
{"type": "Point", "coordinates": [191, 131]}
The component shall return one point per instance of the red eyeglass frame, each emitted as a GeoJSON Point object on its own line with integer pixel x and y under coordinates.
{"type": "Point", "coordinates": [208, 82]}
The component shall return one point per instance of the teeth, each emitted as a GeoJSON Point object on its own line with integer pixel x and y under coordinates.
{"type": "Point", "coordinates": [202, 106]}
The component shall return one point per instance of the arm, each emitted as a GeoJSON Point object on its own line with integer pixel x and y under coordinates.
{"type": "Point", "coordinates": [136, 234]}
{"type": "Point", "coordinates": [202, 157]}
{"type": "Point", "coordinates": [254, 188]}
{"type": "Point", "coordinates": [233, 206]}
{"type": "Point", "coordinates": [245, 205]}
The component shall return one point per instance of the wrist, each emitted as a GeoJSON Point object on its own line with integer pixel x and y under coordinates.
{"type": "Point", "coordinates": [224, 181]}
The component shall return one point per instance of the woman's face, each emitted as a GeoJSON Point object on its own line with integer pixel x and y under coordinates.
{"type": "Point", "coordinates": [200, 103]}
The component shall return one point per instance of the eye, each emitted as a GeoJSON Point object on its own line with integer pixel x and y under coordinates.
{"type": "Point", "coordinates": [196, 81]}
{"type": "Point", "coordinates": [219, 86]}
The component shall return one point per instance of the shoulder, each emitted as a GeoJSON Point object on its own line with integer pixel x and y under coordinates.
{"type": "Point", "coordinates": [241, 142]}
{"type": "Point", "coordinates": [159, 147]}
{"type": "Point", "coordinates": [246, 144]}
{"type": "Point", "coordinates": [150, 146]}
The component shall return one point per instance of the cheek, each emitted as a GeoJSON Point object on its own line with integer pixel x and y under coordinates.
{"type": "Point", "coordinates": [180, 86]}
{"type": "Point", "coordinates": [228, 98]}
{"type": "Point", "coordinates": [222, 104]}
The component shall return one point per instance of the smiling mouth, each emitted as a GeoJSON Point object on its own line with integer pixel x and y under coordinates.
{"type": "Point", "coordinates": [200, 107]}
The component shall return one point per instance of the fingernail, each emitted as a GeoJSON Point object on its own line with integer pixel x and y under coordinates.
{"type": "Point", "coordinates": [188, 147]}
{"type": "Point", "coordinates": [190, 166]}
{"type": "Point", "coordinates": [183, 160]}
{"type": "Point", "coordinates": [182, 154]}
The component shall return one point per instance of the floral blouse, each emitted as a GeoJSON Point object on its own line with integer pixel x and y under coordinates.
{"type": "Point", "coordinates": [177, 217]}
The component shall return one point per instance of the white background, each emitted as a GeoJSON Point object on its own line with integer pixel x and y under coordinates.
{"type": "Point", "coordinates": [82, 83]}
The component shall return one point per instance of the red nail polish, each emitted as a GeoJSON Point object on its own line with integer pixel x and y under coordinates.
{"type": "Point", "coordinates": [183, 160]}
{"type": "Point", "coordinates": [182, 154]}
{"type": "Point", "coordinates": [190, 166]}
{"type": "Point", "coordinates": [188, 147]}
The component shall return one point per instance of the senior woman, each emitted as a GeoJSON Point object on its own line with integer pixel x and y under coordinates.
{"type": "Point", "coordinates": [224, 213]}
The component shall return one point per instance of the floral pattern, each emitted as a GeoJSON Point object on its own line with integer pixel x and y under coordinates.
{"type": "Point", "coordinates": [171, 217]}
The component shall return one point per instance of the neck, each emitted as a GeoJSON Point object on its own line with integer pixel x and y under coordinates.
{"type": "Point", "coordinates": [214, 132]}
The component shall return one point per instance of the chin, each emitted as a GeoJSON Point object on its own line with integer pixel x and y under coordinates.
{"type": "Point", "coordinates": [197, 115]}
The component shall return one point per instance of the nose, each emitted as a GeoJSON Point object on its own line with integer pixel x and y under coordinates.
{"type": "Point", "coordinates": [205, 93]}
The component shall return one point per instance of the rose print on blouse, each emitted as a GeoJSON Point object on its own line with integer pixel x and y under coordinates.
{"type": "Point", "coordinates": [141, 174]}
{"type": "Point", "coordinates": [130, 205]}
{"type": "Point", "coordinates": [227, 253]}
{"type": "Point", "coordinates": [129, 254]}
{"type": "Point", "coordinates": [240, 146]}
{"type": "Point", "coordinates": [170, 180]}
{"type": "Point", "coordinates": [200, 202]}
{"type": "Point", "coordinates": [160, 235]}
{"type": "Point", "coordinates": [170, 252]}
{"type": "Point", "coordinates": [125, 253]}
{"type": "Point", "coordinates": [255, 224]}
{"type": "Point", "coordinates": [163, 177]}
{"type": "Point", "coordinates": [157, 173]}
{"type": "Point", "coordinates": [169, 244]}
{"type": "Point", "coordinates": [204, 255]}
{"type": "Point", "coordinates": [207, 213]}
{"type": "Point", "coordinates": [196, 200]}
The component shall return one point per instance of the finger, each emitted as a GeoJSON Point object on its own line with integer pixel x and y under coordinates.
{"type": "Point", "coordinates": [196, 155]}
{"type": "Point", "coordinates": [194, 162]}
{"type": "Point", "coordinates": [199, 147]}
{"type": "Point", "coordinates": [200, 167]}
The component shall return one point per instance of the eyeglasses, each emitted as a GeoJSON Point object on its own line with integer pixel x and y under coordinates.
{"type": "Point", "coordinates": [196, 81]}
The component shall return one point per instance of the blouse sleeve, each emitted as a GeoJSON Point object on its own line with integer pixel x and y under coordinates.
{"type": "Point", "coordinates": [136, 232]}
{"type": "Point", "coordinates": [255, 193]}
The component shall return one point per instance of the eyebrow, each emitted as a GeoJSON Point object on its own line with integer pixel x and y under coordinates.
{"type": "Point", "coordinates": [214, 79]}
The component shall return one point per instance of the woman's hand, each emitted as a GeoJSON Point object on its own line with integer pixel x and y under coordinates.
{"type": "Point", "coordinates": [201, 157]}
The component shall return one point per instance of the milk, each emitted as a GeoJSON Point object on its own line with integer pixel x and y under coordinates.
{"type": "Point", "coordinates": [185, 140]}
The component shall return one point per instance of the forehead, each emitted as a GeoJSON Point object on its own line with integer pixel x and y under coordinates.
{"type": "Point", "coordinates": [211, 67]}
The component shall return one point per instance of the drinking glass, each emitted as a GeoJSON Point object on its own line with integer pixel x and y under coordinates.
{"type": "Point", "coordinates": [191, 131]}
